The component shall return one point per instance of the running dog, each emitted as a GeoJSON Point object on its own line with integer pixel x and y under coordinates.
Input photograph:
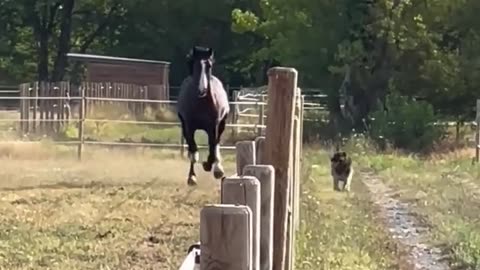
{"type": "Point", "coordinates": [342, 170]}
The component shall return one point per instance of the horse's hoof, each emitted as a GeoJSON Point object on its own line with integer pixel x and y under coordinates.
{"type": "Point", "coordinates": [218, 172]}
{"type": "Point", "coordinates": [192, 180]}
{"type": "Point", "coordinates": [207, 166]}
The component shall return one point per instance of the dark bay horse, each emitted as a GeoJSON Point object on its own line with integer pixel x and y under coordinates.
{"type": "Point", "coordinates": [203, 104]}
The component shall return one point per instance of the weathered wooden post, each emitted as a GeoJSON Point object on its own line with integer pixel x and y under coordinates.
{"type": "Point", "coordinates": [21, 89]}
{"type": "Point", "coordinates": [477, 135]}
{"type": "Point", "coordinates": [245, 155]}
{"type": "Point", "coordinates": [265, 175]}
{"type": "Point", "coordinates": [234, 113]}
{"type": "Point", "coordinates": [245, 190]}
{"type": "Point", "coordinates": [259, 150]}
{"type": "Point", "coordinates": [226, 237]}
{"type": "Point", "coordinates": [282, 86]}
{"type": "Point", "coordinates": [261, 115]}
{"type": "Point", "coordinates": [295, 184]}
{"type": "Point", "coordinates": [81, 123]}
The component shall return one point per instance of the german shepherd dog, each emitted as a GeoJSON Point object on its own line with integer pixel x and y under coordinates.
{"type": "Point", "coordinates": [342, 170]}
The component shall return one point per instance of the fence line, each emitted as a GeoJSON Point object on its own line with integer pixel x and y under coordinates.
{"type": "Point", "coordinates": [258, 205]}
{"type": "Point", "coordinates": [26, 119]}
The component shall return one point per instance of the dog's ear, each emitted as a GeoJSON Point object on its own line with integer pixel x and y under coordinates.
{"type": "Point", "coordinates": [334, 158]}
{"type": "Point", "coordinates": [348, 161]}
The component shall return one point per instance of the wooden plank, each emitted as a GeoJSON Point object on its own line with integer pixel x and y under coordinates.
{"type": "Point", "coordinates": [226, 237]}
{"type": "Point", "coordinates": [265, 175]}
{"type": "Point", "coordinates": [259, 150]}
{"type": "Point", "coordinates": [246, 191]}
{"type": "Point", "coordinates": [245, 155]}
{"type": "Point", "coordinates": [282, 84]}
{"type": "Point", "coordinates": [127, 73]}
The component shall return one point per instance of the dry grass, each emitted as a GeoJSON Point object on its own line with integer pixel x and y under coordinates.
{"type": "Point", "coordinates": [131, 209]}
{"type": "Point", "coordinates": [118, 209]}
{"type": "Point", "coordinates": [444, 192]}
{"type": "Point", "coordinates": [339, 230]}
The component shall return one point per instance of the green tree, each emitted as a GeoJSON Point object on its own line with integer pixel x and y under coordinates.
{"type": "Point", "coordinates": [42, 32]}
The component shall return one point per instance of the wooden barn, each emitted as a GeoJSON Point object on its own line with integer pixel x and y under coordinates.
{"type": "Point", "coordinates": [150, 73]}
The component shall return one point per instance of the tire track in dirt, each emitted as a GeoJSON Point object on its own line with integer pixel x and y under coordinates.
{"type": "Point", "coordinates": [403, 225]}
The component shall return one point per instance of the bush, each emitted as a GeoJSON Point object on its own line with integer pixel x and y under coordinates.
{"type": "Point", "coordinates": [408, 125]}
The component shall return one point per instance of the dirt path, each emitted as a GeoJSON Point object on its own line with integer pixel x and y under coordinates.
{"type": "Point", "coordinates": [403, 225]}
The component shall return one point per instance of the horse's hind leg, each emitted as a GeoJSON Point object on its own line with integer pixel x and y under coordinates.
{"type": "Point", "coordinates": [207, 165]}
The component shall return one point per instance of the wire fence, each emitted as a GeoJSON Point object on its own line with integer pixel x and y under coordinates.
{"type": "Point", "coordinates": [30, 118]}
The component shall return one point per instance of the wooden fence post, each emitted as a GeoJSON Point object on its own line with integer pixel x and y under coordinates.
{"type": "Point", "coordinates": [261, 116]}
{"type": "Point", "coordinates": [27, 108]}
{"type": "Point", "coordinates": [282, 86]}
{"type": "Point", "coordinates": [245, 155]}
{"type": "Point", "coordinates": [297, 159]}
{"type": "Point", "coordinates": [259, 150]}
{"type": "Point", "coordinates": [477, 135]}
{"type": "Point", "coordinates": [226, 237]}
{"type": "Point", "coordinates": [35, 107]}
{"type": "Point", "coordinates": [302, 113]}
{"type": "Point", "coordinates": [21, 125]}
{"type": "Point", "coordinates": [41, 88]}
{"type": "Point", "coordinates": [81, 122]}
{"type": "Point", "coordinates": [245, 190]}
{"type": "Point", "coordinates": [295, 185]}
{"type": "Point", "coordinates": [265, 175]}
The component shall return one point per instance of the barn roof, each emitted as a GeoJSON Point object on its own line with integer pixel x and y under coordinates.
{"type": "Point", "coordinates": [93, 58]}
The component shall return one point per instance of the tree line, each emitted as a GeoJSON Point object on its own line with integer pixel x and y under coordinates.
{"type": "Point", "coordinates": [418, 59]}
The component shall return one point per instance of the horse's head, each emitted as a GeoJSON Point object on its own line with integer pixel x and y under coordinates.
{"type": "Point", "coordinates": [200, 62]}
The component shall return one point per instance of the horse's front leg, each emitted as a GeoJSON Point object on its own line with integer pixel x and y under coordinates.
{"type": "Point", "coordinates": [193, 156]}
{"type": "Point", "coordinates": [214, 157]}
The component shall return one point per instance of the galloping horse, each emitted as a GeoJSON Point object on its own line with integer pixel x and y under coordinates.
{"type": "Point", "coordinates": [203, 104]}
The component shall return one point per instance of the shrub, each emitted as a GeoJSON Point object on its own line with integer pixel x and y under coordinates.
{"type": "Point", "coordinates": [408, 124]}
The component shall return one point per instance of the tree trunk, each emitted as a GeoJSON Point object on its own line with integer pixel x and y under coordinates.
{"type": "Point", "coordinates": [64, 42]}
{"type": "Point", "coordinates": [42, 49]}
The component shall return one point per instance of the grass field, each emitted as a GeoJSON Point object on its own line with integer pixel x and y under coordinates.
{"type": "Point", "coordinates": [132, 209]}
{"type": "Point", "coordinates": [115, 210]}
{"type": "Point", "coordinates": [444, 192]}
{"type": "Point", "coordinates": [339, 230]}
